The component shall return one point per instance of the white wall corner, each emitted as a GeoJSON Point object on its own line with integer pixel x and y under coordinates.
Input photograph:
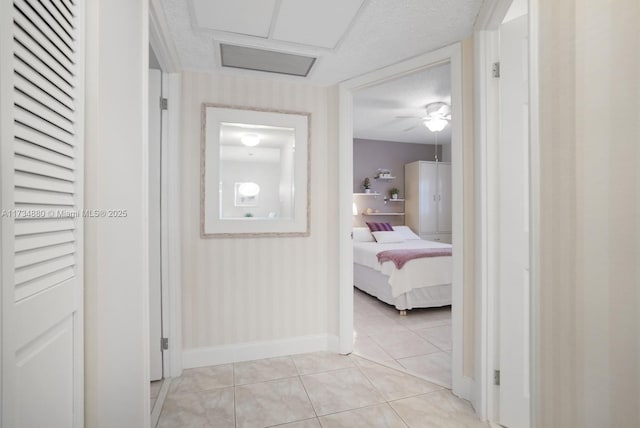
{"type": "Point", "coordinates": [248, 351]}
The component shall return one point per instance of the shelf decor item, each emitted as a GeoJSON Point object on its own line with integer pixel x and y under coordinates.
{"type": "Point", "coordinates": [394, 192]}
{"type": "Point", "coordinates": [383, 173]}
{"type": "Point", "coordinates": [367, 185]}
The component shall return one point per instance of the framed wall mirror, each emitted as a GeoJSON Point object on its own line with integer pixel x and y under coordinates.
{"type": "Point", "coordinates": [255, 172]}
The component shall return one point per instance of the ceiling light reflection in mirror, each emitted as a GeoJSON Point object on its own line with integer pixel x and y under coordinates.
{"type": "Point", "coordinates": [256, 171]}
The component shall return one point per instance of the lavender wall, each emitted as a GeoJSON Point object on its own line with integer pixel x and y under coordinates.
{"type": "Point", "coordinates": [368, 156]}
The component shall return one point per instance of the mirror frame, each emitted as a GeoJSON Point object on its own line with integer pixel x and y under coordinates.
{"type": "Point", "coordinates": [215, 227]}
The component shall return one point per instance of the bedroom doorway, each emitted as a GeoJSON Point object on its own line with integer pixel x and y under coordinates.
{"type": "Point", "coordinates": [460, 382]}
{"type": "Point", "coordinates": [402, 181]}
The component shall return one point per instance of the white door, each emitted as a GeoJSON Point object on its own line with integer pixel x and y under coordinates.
{"type": "Point", "coordinates": [41, 154]}
{"type": "Point", "coordinates": [514, 225]}
{"type": "Point", "coordinates": [444, 197]}
{"type": "Point", "coordinates": [428, 197]}
{"type": "Point", "coordinates": [155, 287]}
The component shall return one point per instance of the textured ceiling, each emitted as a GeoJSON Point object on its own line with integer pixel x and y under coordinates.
{"type": "Point", "coordinates": [365, 35]}
{"type": "Point", "coordinates": [376, 108]}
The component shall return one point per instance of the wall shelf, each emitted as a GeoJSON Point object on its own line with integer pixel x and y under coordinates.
{"type": "Point", "coordinates": [374, 194]}
{"type": "Point", "coordinates": [393, 200]}
{"type": "Point", "coordinates": [381, 214]}
{"type": "Point", "coordinates": [384, 178]}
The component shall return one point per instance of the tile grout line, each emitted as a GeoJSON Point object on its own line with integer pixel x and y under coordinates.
{"type": "Point", "coordinates": [406, 371]}
{"type": "Point", "coordinates": [410, 396]}
{"type": "Point", "coordinates": [309, 398]}
{"type": "Point", "coordinates": [235, 411]}
{"type": "Point", "coordinates": [406, 423]}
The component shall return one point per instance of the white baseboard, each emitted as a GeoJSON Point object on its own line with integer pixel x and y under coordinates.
{"type": "Point", "coordinates": [214, 355]}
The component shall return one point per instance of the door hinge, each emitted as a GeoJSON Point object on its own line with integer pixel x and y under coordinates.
{"type": "Point", "coordinates": [164, 343]}
{"type": "Point", "coordinates": [495, 69]}
{"type": "Point", "coordinates": [164, 103]}
{"type": "Point", "coordinates": [496, 377]}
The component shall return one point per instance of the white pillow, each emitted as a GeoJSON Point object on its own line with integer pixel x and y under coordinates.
{"type": "Point", "coordinates": [406, 232]}
{"type": "Point", "coordinates": [362, 234]}
{"type": "Point", "coordinates": [388, 237]}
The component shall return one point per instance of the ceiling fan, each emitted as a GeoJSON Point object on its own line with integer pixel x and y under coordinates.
{"type": "Point", "coordinates": [437, 117]}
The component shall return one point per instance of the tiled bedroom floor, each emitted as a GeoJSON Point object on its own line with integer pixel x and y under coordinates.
{"type": "Point", "coordinates": [419, 342]}
{"type": "Point", "coordinates": [310, 390]}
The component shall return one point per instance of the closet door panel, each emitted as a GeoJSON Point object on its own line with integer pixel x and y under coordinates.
{"type": "Point", "coordinates": [428, 197]}
{"type": "Point", "coordinates": [444, 197]}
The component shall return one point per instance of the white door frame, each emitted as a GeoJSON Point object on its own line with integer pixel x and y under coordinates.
{"type": "Point", "coordinates": [486, 45]}
{"type": "Point", "coordinates": [171, 226]}
{"type": "Point", "coordinates": [453, 54]}
{"type": "Point", "coordinates": [170, 173]}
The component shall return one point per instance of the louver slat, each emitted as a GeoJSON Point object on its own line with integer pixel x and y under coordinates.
{"type": "Point", "coordinates": [42, 111]}
{"type": "Point", "coordinates": [32, 136]}
{"type": "Point", "coordinates": [34, 286]}
{"type": "Point", "coordinates": [23, 38]}
{"type": "Point", "coordinates": [44, 92]}
{"type": "Point", "coordinates": [65, 10]}
{"type": "Point", "coordinates": [30, 242]}
{"type": "Point", "coordinates": [38, 182]}
{"type": "Point", "coordinates": [42, 168]}
{"type": "Point", "coordinates": [27, 118]}
{"type": "Point", "coordinates": [39, 255]}
{"type": "Point", "coordinates": [55, 20]}
{"type": "Point", "coordinates": [29, 196]}
{"type": "Point", "coordinates": [27, 59]}
{"type": "Point", "coordinates": [45, 154]}
{"type": "Point", "coordinates": [30, 227]}
{"type": "Point", "coordinates": [41, 33]}
{"type": "Point", "coordinates": [42, 269]}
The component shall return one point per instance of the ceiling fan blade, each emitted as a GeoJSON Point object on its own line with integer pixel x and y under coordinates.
{"type": "Point", "coordinates": [407, 117]}
{"type": "Point", "coordinates": [410, 128]}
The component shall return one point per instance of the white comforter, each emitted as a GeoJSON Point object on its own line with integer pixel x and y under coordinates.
{"type": "Point", "coordinates": [416, 273]}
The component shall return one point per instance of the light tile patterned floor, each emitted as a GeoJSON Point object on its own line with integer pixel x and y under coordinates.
{"type": "Point", "coordinates": [310, 391]}
{"type": "Point", "coordinates": [419, 342]}
{"type": "Point", "coordinates": [154, 390]}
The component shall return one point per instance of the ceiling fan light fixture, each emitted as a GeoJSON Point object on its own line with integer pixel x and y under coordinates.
{"type": "Point", "coordinates": [250, 140]}
{"type": "Point", "coordinates": [435, 124]}
{"type": "Point", "coordinates": [438, 116]}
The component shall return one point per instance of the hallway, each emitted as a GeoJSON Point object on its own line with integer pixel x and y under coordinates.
{"type": "Point", "coordinates": [310, 390]}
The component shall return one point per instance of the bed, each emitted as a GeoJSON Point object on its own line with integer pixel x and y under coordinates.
{"type": "Point", "coordinates": [420, 283]}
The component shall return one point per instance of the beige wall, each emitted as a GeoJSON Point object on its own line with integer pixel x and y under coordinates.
{"type": "Point", "coordinates": [247, 289]}
{"type": "Point", "coordinates": [289, 287]}
{"type": "Point", "coordinates": [590, 213]}
{"type": "Point", "coordinates": [469, 209]}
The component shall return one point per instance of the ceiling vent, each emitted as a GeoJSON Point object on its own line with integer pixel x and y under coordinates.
{"type": "Point", "coordinates": [263, 60]}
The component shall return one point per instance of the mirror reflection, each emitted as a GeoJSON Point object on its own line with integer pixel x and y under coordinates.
{"type": "Point", "coordinates": [255, 168]}
{"type": "Point", "coordinates": [256, 171]}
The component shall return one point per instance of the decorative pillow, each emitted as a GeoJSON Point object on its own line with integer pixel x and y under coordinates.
{"type": "Point", "coordinates": [406, 232]}
{"type": "Point", "coordinates": [388, 237]}
{"type": "Point", "coordinates": [362, 234]}
{"type": "Point", "coordinates": [379, 227]}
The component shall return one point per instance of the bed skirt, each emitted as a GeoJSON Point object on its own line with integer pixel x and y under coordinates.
{"type": "Point", "coordinates": [376, 284]}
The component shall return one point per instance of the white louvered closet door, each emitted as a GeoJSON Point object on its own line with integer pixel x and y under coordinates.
{"type": "Point", "coordinates": [41, 111]}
